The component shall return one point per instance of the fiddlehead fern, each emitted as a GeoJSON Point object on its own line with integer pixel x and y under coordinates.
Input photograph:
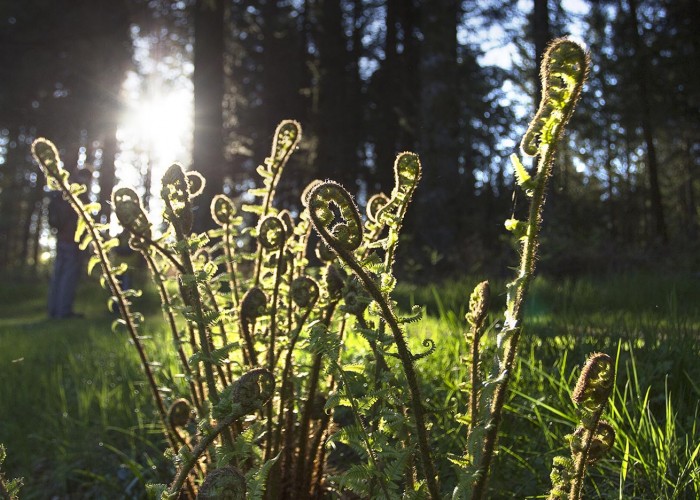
{"type": "Point", "coordinates": [223, 211]}
{"type": "Point", "coordinates": [46, 155]}
{"type": "Point", "coordinates": [287, 136]}
{"type": "Point", "coordinates": [176, 195]}
{"type": "Point", "coordinates": [130, 213]}
{"type": "Point", "coordinates": [476, 317]}
{"type": "Point", "coordinates": [272, 233]}
{"type": "Point", "coordinates": [132, 217]}
{"type": "Point", "coordinates": [304, 291]}
{"type": "Point", "coordinates": [253, 306]}
{"type": "Point", "coordinates": [324, 252]}
{"type": "Point", "coordinates": [344, 237]}
{"type": "Point", "coordinates": [179, 413]}
{"type": "Point", "coordinates": [195, 183]}
{"type": "Point", "coordinates": [563, 73]}
{"type": "Point", "coordinates": [272, 236]}
{"type": "Point", "coordinates": [175, 192]}
{"type": "Point", "coordinates": [246, 395]}
{"type": "Point", "coordinates": [593, 438]}
{"type": "Point", "coordinates": [346, 234]}
{"type": "Point", "coordinates": [564, 69]}
{"type": "Point", "coordinates": [407, 174]}
{"type": "Point", "coordinates": [374, 204]}
{"type": "Point", "coordinates": [355, 298]}
{"type": "Point", "coordinates": [430, 345]}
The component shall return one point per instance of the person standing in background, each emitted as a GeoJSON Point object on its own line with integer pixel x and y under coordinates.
{"type": "Point", "coordinates": [69, 258]}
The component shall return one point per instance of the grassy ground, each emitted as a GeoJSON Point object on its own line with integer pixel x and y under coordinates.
{"type": "Point", "coordinates": [77, 421]}
{"type": "Point", "coordinates": [74, 409]}
{"type": "Point", "coordinates": [651, 324]}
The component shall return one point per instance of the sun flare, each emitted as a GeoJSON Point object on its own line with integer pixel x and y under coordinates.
{"type": "Point", "coordinates": [155, 132]}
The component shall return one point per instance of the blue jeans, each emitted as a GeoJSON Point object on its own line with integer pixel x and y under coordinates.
{"type": "Point", "coordinates": [64, 282]}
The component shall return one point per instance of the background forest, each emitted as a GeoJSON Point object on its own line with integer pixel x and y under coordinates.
{"type": "Point", "coordinates": [453, 81]}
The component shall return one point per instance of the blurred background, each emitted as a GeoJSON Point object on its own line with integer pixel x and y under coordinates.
{"type": "Point", "coordinates": [126, 87]}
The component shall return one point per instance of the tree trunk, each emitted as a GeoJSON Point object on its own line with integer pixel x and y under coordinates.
{"type": "Point", "coordinates": [691, 205]}
{"type": "Point", "coordinates": [541, 35]}
{"type": "Point", "coordinates": [647, 127]}
{"type": "Point", "coordinates": [336, 155]}
{"type": "Point", "coordinates": [389, 86]}
{"type": "Point", "coordinates": [441, 192]}
{"type": "Point", "coordinates": [208, 82]}
{"type": "Point", "coordinates": [609, 170]}
{"type": "Point", "coordinates": [107, 170]}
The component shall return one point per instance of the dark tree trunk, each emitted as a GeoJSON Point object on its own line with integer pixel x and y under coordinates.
{"type": "Point", "coordinates": [610, 171]}
{"type": "Point", "coordinates": [389, 88]}
{"type": "Point", "coordinates": [409, 78]}
{"type": "Point", "coordinates": [441, 190]}
{"type": "Point", "coordinates": [36, 246]}
{"type": "Point", "coordinates": [541, 35]}
{"type": "Point", "coordinates": [336, 155]}
{"type": "Point", "coordinates": [647, 127]}
{"type": "Point", "coordinates": [208, 82]}
{"type": "Point", "coordinates": [107, 171]}
{"type": "Point", "coordinates": [689, 190]}
{"type": "Point", "coordinates": [32, 210]}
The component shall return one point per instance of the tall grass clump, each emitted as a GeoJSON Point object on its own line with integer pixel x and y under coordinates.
{"type": "Point", "coordinates": [275, 406]}
{"type": "Point", "coordinates": [654, 417]}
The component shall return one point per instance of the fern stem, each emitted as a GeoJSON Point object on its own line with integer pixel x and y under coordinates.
{"type": "Point", "coordinates": [408, 368]}
{"type": "Point", "coordinates": [267, 204]}
{"type": "Point", "coordinates": [271, 361]}
{"type": "Point", "coordinates": [228, 376]}
{"type": "Point", "coordinates": [170, 319]}
{"type": "Point", "coordinates": [285, 375]}
{"type": "Point", "coordinates": [123, 304]}
{"type": "Point", "coordinates": [192, 298]}
{"type": "Point", "coordinates": [323, 426]}
{"type": "Point", "coordinates": [230, 266]}
{"type": "Point", "coordinates": [363, 430]}
{"type": "Point", "coordinates": [514, 318]}
{"type": "Point", "coordinates": [474, 376]}
{"type": "Point", "coordinates": [582, 458]}
{"type": "Point", "coordinates": [308, 407]}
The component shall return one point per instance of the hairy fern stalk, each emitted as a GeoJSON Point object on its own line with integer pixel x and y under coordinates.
{"type": "Point", "coordinates": [259, 330]}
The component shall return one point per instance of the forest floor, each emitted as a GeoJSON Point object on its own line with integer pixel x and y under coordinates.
{"type": "Point", "coordinates": [77, 421]}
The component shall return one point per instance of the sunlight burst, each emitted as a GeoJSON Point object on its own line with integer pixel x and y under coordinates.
{"type": "Point", "coordinates": [155, 132]}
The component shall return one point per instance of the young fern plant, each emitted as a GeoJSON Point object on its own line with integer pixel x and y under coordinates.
{"type": "Point", "coordinates": [593, 437]}
{"type": "Point", "coordinates": [563, 73]}
{"type": "Point", "coordinates": [9, 489]}
{"type": "Point", "coordinates": [343, 233]}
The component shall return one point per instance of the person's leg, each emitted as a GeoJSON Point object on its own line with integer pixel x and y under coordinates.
{"type": "Point", "coordinates": [54, 286]}
{"type": "Point", "coordinates": [69, 279]}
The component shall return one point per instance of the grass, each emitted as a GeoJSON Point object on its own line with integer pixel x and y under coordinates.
{"type": "Point", "coordinates": [651, 323]}
{"type": "Point", "coordinates": [75, 410]}
{"type": "Point", "coordinates": [78, 422]}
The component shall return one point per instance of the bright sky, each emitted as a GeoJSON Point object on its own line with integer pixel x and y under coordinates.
{"type": "Point", "coordinates": [498, 54]}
